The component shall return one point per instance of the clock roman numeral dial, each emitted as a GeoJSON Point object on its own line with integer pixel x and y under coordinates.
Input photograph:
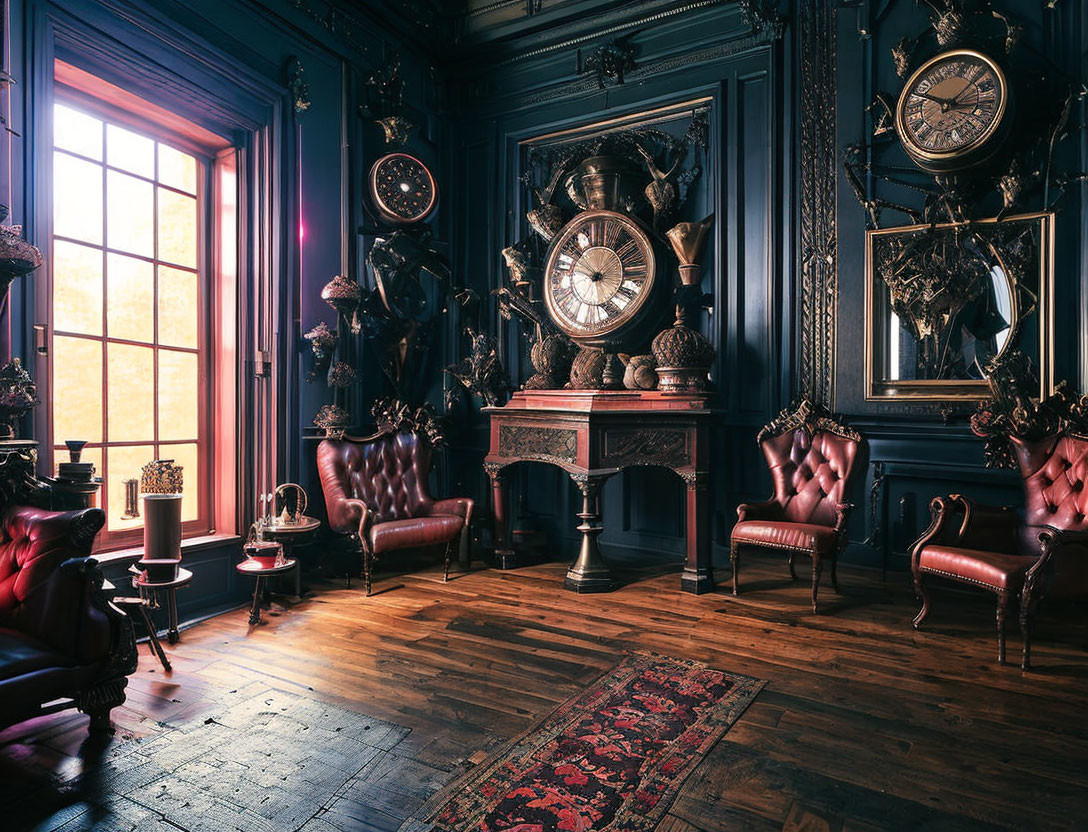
{"type": "Point", "coordinates": [951, 105]}
{"type": "Point", "coordinates": [598, 273]}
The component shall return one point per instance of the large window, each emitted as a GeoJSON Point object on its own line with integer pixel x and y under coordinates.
{"type": "Point", "coordinates": [127, 335]}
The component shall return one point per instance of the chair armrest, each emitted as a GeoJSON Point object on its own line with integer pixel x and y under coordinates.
{"type": "Point", "coordinates": [1055, 544]}
{"type": "Point", "coordinates": [988, 528]}
{"type": "Point", "coordinates": [944, 513]}
{"type": "Point", "coordinates": [457, 506]}
{"type": "Point", "coordinates": [765, 510]}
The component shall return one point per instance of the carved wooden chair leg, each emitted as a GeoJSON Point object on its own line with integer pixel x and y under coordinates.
{"type": "Point", "coordinates": [920, 592]}
{"type": "Point", "coordinates": [1027, 604]}
{"type": "Point", "coordinates": [817, 570]}
{"type": "Point", "coordinates": [793, 573]}
{"type": "Point", "coordinates": [734, 559]}
{"type": "Point", "coordinates": [1002, 609]}
{"type": "Point", "coordinates": [368, 566]}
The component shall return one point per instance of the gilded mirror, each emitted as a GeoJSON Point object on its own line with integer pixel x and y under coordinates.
{"type": "Point", "coordinates": [942, 301]}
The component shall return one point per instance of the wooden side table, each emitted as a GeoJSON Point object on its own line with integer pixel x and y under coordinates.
{"type": "Point", "coordinates": [151, 592]}
{"type": "Point", "coordinates": [262, 574]}
{"type": "Point", "coordinates": [290, 535]}
{"type": "Point", "coordinates": [592, 435]}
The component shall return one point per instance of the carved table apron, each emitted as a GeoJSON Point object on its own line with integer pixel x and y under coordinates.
{"type": "Point", "coordinates": [592, 435]}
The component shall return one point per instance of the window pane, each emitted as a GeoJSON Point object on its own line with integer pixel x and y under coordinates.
{"type": "Point", "coordinates": [177, 228]}
{"type": "Point", "coordinates": [77, 288]}
{"type": "Point", "coordinates": [131, 383]}
{"type": "Point", "coordinates": [130, 151]}
{"type": "Point", "coordinates": [187, 457]}
{"type": "Point", "coordinates": [177, 169]}
{"type": "Point", "coordinates": [124, 464]}
{"type": "Point", "coordinates": [77, 389]}
{"type": "Point", "coordinates": [130, 294]}
{"type": "Point", "coordinates": [130, 214]}
{"type": "Point", "coordinates": [76, 131]}
{"type": "Point", "coordinates": [77, 198]}
{"type": "Point", "coordinates": [178, 395]}
{"type": "Point", "coordinates": [178, 311]}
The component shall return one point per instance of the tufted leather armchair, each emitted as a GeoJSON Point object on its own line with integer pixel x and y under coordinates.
{"type": "Point", "coordinates": [60, 637]}
{"type": "Point", "coordinates": [1042, 550]}
{"type": "Point", "coordinates": [376, 492]}
{"type": "Point", "coordinates": [811, 457]}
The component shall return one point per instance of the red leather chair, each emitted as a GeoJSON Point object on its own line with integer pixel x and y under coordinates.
{"type": "Point", "coordinates": [376, 491]}
{"type": "Point", "coordinates": [811, 457]}
{"type": "Point", "coordinates": [60, 637]}
{"type": "Point", "coordinates": [1043, 551]}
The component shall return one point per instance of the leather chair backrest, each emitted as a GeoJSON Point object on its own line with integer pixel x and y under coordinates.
{"type": "Point", "coordinates": [810, 471]}
{"type": "Point", "coordinates": [1055, 473]}
{"type": "Point", "coordinates": [29, 555]}
{"type": "Point", "coordinates": [387, 472]}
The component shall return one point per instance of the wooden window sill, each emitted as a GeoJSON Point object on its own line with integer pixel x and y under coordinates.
{"type": "Point", "coordinates": [188, 546]}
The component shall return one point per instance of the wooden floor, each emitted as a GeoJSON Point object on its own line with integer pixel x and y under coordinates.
{"type": "Point", "coordinates": [864, 724]}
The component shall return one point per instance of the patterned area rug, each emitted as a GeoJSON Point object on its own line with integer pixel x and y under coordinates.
{"type": "Point", "coordinates": [611, 758]}
{"type": "Point", "coordinates": [265, 761]}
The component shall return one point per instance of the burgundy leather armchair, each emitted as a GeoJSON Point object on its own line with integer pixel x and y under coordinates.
{"type": "Point", "coordinates": [811, 457]}
{"type": "Point", "coordinates": [60, 637]}
{"type": "Point", "coordinates": [1042, 551]}
{"type": "Point", "coordinates": [376, 492]}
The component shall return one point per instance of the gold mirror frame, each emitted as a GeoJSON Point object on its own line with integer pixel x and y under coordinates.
{"type": "Point", "coordinates": [956, 390]}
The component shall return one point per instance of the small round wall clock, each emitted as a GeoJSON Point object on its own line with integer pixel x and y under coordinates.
{"type": "Point", "coordinates": [953, 111]}
{"type": "Point", "coordinates": [402, 188]}
{"type": "Point", "coordinates": [599, 276]}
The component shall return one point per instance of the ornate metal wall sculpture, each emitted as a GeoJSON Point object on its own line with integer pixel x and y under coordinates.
{"type": "Point", "coordinates": [610, 61]}
{"type": "Point", "coordinates": [1015, 409]}
{"type": "Point", "coordinates": [298, 87]}
{"type": "Point", "coordinates": [819, 235]}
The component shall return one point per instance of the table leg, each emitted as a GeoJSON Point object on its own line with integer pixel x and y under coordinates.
{"type": "Point", "coordinates": [172, 635]}
{"type": "Point", "coordinates": [589, 572]}
{"type": "Point", "coordinates": [153, 638]}
{"type": "Point", "coordinates": [255, 609]}
{"type": "Point", "coordinates": [698, 574]}
{"type": "Point", "coordinates": [505, 556]}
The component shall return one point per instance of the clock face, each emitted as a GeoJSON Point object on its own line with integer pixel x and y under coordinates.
{"type": "Point", "coordinates": [951, 107]}
{"type": "Point", "coordinates": [402, 188]}
{"type": "Point", "coordinates": [599, 274]}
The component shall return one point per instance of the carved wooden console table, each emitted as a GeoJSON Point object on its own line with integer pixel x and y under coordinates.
{"type": "Point", "coordinates": [593, 434]}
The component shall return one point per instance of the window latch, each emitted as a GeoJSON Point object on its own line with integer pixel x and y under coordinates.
{"type": "Point", "coordinates": [41, 340]}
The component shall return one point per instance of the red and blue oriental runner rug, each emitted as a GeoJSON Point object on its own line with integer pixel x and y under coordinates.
{"type": "Point", "coordinates": [611, 758]}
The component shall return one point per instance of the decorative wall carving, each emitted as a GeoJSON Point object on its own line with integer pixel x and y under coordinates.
{"type": "Point", "coordinates": [539, 442]}
{"type": "Point", "coordinates": [646, 447]}
{"type": "Point", "coordinates": [819, 235]}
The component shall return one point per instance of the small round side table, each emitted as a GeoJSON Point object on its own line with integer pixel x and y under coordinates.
{"type": "Point", "coordinates": [151, 591]}
{"type": "Point", "coordinates": [291, 534]}
{"type": "Point", "coordinates": [260, 584]}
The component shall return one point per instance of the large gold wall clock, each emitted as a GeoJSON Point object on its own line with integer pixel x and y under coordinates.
{"type": "Point", "coordinates": [953, 111]}
{"type": "Point", "coordinates": [600, 277]}
{"type": "Point", "coordinates": [402, 188]}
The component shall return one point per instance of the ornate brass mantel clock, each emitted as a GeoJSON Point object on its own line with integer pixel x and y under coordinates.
{"type": "Point", "coordinates": [599, 276]}
{"type": "Point", "coordinates": [954, 111]}
{"type": "Point", "coordinates": [402, 189]}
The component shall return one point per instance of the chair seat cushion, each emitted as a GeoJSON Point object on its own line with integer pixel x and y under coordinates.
{"type": "Point", "coordinates": [415, 532]}
{"type": "Point", "coordinates": [20, 654]}
{"type": "Point", "coordinates": [990, 569]}
{"type": "Point", "coordinates": [782, 535]}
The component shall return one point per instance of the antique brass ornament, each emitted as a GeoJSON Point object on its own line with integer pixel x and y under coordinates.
{"type": "Point", "coordinates": [606, 183]}
{"type": "Point", "coordinates": [17, 256]}
{"type": "Point", "coordinates": [333, 419]}
{"type": "Point", "coordinates": [396, 129]}
{"type": "Point", "coordinates": [283, 494]}
{"type": "Point", "coordinates": [684, 355]}
{"type": "Point", "coordinates": [640, 372]}
{"type": "Point", "coordinates": [546, 218]}
{"type": "Point", "coordinates": [551, 356]}
{"type": "Point", "coordinates": [161, 476]}
{"type": "Point", "coordinates": [343, 294]}
{"type": "Point", "coordinates": [587, 369]}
